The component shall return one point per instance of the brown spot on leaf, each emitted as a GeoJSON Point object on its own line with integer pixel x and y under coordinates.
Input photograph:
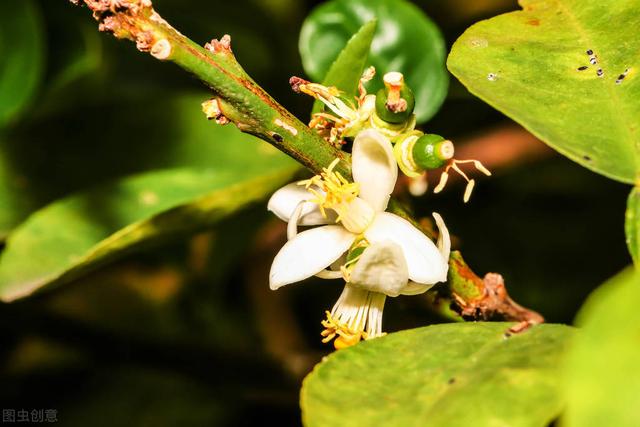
{"type": "Point", "coordinates": [534, 22]}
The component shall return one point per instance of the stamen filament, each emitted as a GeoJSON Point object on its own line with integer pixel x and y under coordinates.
{"type": "Point", "coordinates": [453, 164]}
{"type": "Point", "coordinates": [340, 195]}
{"type": "Point", "coordinates": [356, 315]}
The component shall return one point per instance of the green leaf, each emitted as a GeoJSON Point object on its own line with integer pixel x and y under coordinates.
{"type": "Point", "coordinates": [632, 224]}
{"type": "Point", "coordinates": [442, 375]}
{"type": "Point", "coordinates": [527, 65]}
{"type": "Point", "coordinates": [346, 70]}
{"type": "Point", "coordinates": [602, 370]}
{"type": "Point", "coordinates": [76, 234]}
{"type": "Point", "coordinates": [406, 40]}
{"type": "Point", "coordinates": [21, 56]}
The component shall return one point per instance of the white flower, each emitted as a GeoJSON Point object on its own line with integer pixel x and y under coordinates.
{"type": "Point", "coordinates": [397, 259]}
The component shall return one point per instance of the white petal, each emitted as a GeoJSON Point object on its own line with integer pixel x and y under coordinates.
{"type": "Point", "coordinates": [444, 242]}
{"type": "Point", "coordinates": [374, 168]}
{"type": "Point", "coordinates": [381, 268]}
{"type": "Point", "coordinates": [292, 225]}
{"type": "Point", "coordinates": [424, 260]}
{"type": "Point", "coordinates": [309, 253]}
{"type": "Point", "coordinates": [284, 201]}
{"type": "Point", "coordinates": [414, 288]}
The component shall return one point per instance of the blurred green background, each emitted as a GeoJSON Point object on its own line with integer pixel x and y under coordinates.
{"type": "Point", "coordinates": [187, 332]}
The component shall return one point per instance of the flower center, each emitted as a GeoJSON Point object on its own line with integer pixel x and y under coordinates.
{"type": "Point", "coordinates": [341, 196]}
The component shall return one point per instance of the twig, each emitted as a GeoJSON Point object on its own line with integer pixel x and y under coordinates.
{"type": "Point", "coordinates": [240, 100]}
{"type": "Point", "coordinates": [474, 298]}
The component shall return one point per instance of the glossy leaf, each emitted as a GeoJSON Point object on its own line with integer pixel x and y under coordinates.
{"type": "Point", "coordinates": [632, 224]}
{"type": "Point", "coordinates": [346, 70]}
{"type": "Point", "coordinates": [76, 234]}
{"type": "Point", "coordinates": [406, 40]}
{"type": "Point", "coordinates": [21, 56]}
{"type": "Point", "coordinates": [531, 64]}
{"type": "Point", "coordinates": [441, 375]}
{"type": "Point", "coordinates": [602, 371]}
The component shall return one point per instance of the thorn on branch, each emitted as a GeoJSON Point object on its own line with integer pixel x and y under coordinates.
{"type": "Point", "coordinates": [220, 46]}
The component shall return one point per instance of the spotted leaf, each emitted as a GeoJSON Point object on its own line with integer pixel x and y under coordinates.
{"type": "Point", "coordinates": [568, 71]}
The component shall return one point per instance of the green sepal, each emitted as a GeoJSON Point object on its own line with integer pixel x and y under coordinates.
{"type": "Point", "coordinates": [355, 253]}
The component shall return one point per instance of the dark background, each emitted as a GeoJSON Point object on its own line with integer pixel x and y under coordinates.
{"type": "Point", "coordinates": [188, 333]}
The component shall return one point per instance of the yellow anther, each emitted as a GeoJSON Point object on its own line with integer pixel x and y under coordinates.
{"type": "Point", "coordinates": [333, 191]}
{"type": "Point", "coordinates": [453, 164]}
{"type": "Point", "coordinates": [343, 335]}
{"type": "Point", "coordinates": [443, 181]}
{"type": "Point", "coordinates": [468, 190]}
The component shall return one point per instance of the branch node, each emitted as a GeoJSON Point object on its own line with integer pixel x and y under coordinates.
{"type": "Point", "coordinates": [219, 46]}
{"type": "Point", "coordinates": [487, 298]}
{"type": "Point", "coordinates": [145, 41]}
{"type": "Point", "coordinates": [123, 18]}
{"type": "Point", "coordinates": [211, 109]}
{"type": "Point", "coordinates": [161, 49]}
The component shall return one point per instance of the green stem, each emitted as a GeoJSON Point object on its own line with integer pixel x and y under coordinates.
{"type": "Point", "coordinates": [240, 100]}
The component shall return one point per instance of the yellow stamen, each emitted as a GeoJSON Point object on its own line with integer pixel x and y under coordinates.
{"type": "Point", "coordinates": [344, 336]}
{"type": "Point", "coordinates": [340, 195]}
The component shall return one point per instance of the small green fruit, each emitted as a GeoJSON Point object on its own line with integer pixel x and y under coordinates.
{"type": "Point", "coordinates": [395, 102]}
{"type": "Point", "coordinates": [432, 151]}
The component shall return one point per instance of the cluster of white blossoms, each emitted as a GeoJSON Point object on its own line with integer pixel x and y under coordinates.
{"type": "Point", "coordinates": [377, 253]}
